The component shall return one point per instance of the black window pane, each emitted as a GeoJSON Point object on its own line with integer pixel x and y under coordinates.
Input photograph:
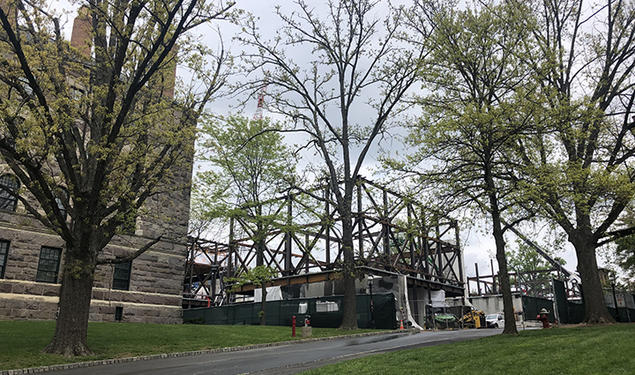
{"type": "Point", "coordinates": [9, 185]}
{"type": "Point", "coordinates": [48, 265]}
{"type": "Point", "coordinates": [121, 276]}
{"type": "Point", "coordinates": [118, 313]}
{"type": "Point", "coordinates": [4, 252]}
{"type": "Point", "coordinates": [8, 204]}
{"type": "Point", "coordinates": [60, 206]}
{"type": "Point", "coordinates": [61, 201]}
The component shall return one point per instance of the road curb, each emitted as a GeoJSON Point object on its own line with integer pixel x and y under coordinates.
{"type": "Point", "coordinates": [68, 366]}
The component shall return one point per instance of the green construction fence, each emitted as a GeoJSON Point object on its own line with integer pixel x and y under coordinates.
{"type": "Point", "coordinates": [533, 305]}
{"type": "Point", "coordinates": [322, 311]}
{"type": "Point", "coordinates": [572, 312]}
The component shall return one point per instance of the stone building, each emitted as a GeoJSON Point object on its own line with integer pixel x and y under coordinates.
{"type": "Point", "coordinates": [148, 289]}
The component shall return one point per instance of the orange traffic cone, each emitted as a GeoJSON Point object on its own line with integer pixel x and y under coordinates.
{"type": "Point", "coordinates": [401, 325]}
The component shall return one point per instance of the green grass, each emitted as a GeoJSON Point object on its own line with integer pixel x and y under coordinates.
{"type": "Point", "coordinates": [581, 350]}
{"type": "Point", "coordinates": [21, 342]}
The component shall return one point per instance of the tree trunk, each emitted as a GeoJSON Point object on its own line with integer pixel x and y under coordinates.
{"type": "Point", "coordinates": [349, 308]}
{"type": "Point", "coordinates": [261, 235]}
{"type": "Point", "coordinates": [263, 304]}
{"type": "Point", "coordinates": [595, 311]}
{"type": "Point", "coordinates": [505, 285]}
{"type": "Point", "coordinates": [501, 257]}
{"type": "Point", "coordinates": [71, 327]}
{"type": "Point", "coordinates": [260, 252]}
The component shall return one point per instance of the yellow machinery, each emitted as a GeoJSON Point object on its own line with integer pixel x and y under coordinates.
{"type": "Point", "coordinates": [473, 319]}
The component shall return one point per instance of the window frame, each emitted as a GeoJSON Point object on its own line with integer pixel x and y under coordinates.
{"type": "Point", "coordinates": [118, 313]}
{"type": "Point", "coordinates": [115, 279]}
{"type": "Point", "coordinates": [38, 276]}
{"type": "Point", "coordinates": [60, 201]}
{"type": "Point", "coordinates": [10, 197]}
{"type": "Point", "coordinates": [3, 266]}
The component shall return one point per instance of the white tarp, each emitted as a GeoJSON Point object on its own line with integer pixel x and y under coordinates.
{"type": "Point", "coordinates": [274, 293]}
{"type": "Point", "coordinates": [404, 296]}
{"type": "Point", "coordinates": [438, 298]}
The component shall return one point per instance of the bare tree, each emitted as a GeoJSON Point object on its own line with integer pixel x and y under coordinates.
{"type": "Point", "coordinates": [353, 74]}
{"type": "Point", "coordinates": [92, 129]}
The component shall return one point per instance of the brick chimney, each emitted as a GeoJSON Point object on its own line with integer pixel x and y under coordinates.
{"type": "Point", "coordinates": [82, 30]}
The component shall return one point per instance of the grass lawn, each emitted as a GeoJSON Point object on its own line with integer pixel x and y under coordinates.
{"type": "Point", "coordinates": [21, 342]}
{"type": "Point", "coordinates": [581, 350]}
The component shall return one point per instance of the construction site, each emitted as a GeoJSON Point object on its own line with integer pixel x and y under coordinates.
{"type": "Point", "coordinates": [406, 259]}
{"type": "Point", "coordinates": [409, 269]}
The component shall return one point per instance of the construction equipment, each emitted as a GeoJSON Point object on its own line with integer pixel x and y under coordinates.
{"type": "Point", "coordinates": [473, 319]}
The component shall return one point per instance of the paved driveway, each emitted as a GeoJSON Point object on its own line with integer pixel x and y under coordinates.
{"type": "Point", "coordinates": [286, 359]}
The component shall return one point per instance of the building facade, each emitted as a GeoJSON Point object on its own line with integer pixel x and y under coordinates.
{"type": "Point", "coordinates": [148, 289]}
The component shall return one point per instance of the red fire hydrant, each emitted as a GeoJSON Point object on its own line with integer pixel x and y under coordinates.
{"type": "Point", "coordinates": [293, 326]}
{"type": "Point", "coordinates": [544, 318]}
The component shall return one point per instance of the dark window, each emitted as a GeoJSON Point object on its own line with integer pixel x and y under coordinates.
{"type": "Point", "coordinates": [118, 313]}
{"type": "Point", "coordinates": [121, 276]}
{"type": "Point", "coordinates": [9, 186]}
{"type": "Point", "coordinates": [4, 253]}
{"type": "Point", "coordinates": [49, 264]}
{"type": "Point", "coordinates": [60, 206]}
{"type": "Point", "coordinates": [61, 201]}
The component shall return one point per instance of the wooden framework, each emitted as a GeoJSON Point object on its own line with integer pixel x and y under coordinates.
{"type": "Point", "coordinates": [301, 234]}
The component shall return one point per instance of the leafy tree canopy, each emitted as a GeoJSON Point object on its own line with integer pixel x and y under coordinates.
{"type": "Point", "coordinates": [250, 164]}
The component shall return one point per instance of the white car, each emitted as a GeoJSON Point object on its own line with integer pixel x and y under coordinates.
{"type": "Point", "coordinates": [495, 320]}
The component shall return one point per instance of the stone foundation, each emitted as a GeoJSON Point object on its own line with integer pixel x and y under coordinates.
{"type": "Point", "coordinates": [30, 300]}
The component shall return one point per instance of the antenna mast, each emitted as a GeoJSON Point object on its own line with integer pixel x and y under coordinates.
{"type": "Point", "coordinates": [261, 102]}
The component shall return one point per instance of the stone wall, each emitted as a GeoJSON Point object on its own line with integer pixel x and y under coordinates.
{"type": "Point", "coordinates": [21, 299]}
{"type": "Point", "coordinates": [168, 213]}
{"type": "Point", "coordinates": [156, 279]}
{"type": "Point", "coordinates": [154, 295]}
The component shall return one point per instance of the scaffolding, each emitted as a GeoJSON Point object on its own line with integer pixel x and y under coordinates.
{"type": "Point", "coordinates": [393, 235]}
{"type": "Point", "coordinates": [534, 283]}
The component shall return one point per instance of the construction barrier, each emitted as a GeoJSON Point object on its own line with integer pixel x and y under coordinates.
{"type": "Point", "coordinates": [572, 312]}
{"type": "Point", "coordinates": [533, 305]}
{"type": "Point", "coordinates": [324, 312]}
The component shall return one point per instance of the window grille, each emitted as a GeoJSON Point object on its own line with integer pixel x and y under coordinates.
{"type": "Point", "coordinates": [4, 254]}
{"type": "Point", "coordinates": [49, 264]}
{"type": "Point", "coordinates": [121, 276]}
{"type": "Point", "coordinates": [9, 185]}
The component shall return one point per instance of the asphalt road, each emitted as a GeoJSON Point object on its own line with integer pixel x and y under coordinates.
{"type": "Point", "coordinates": [286, 359]}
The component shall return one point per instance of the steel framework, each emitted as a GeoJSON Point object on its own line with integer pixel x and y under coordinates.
{"type": "Point", "coordinates": [393, 233]}
{"type": "Point", "coordinates": [536, 283]}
